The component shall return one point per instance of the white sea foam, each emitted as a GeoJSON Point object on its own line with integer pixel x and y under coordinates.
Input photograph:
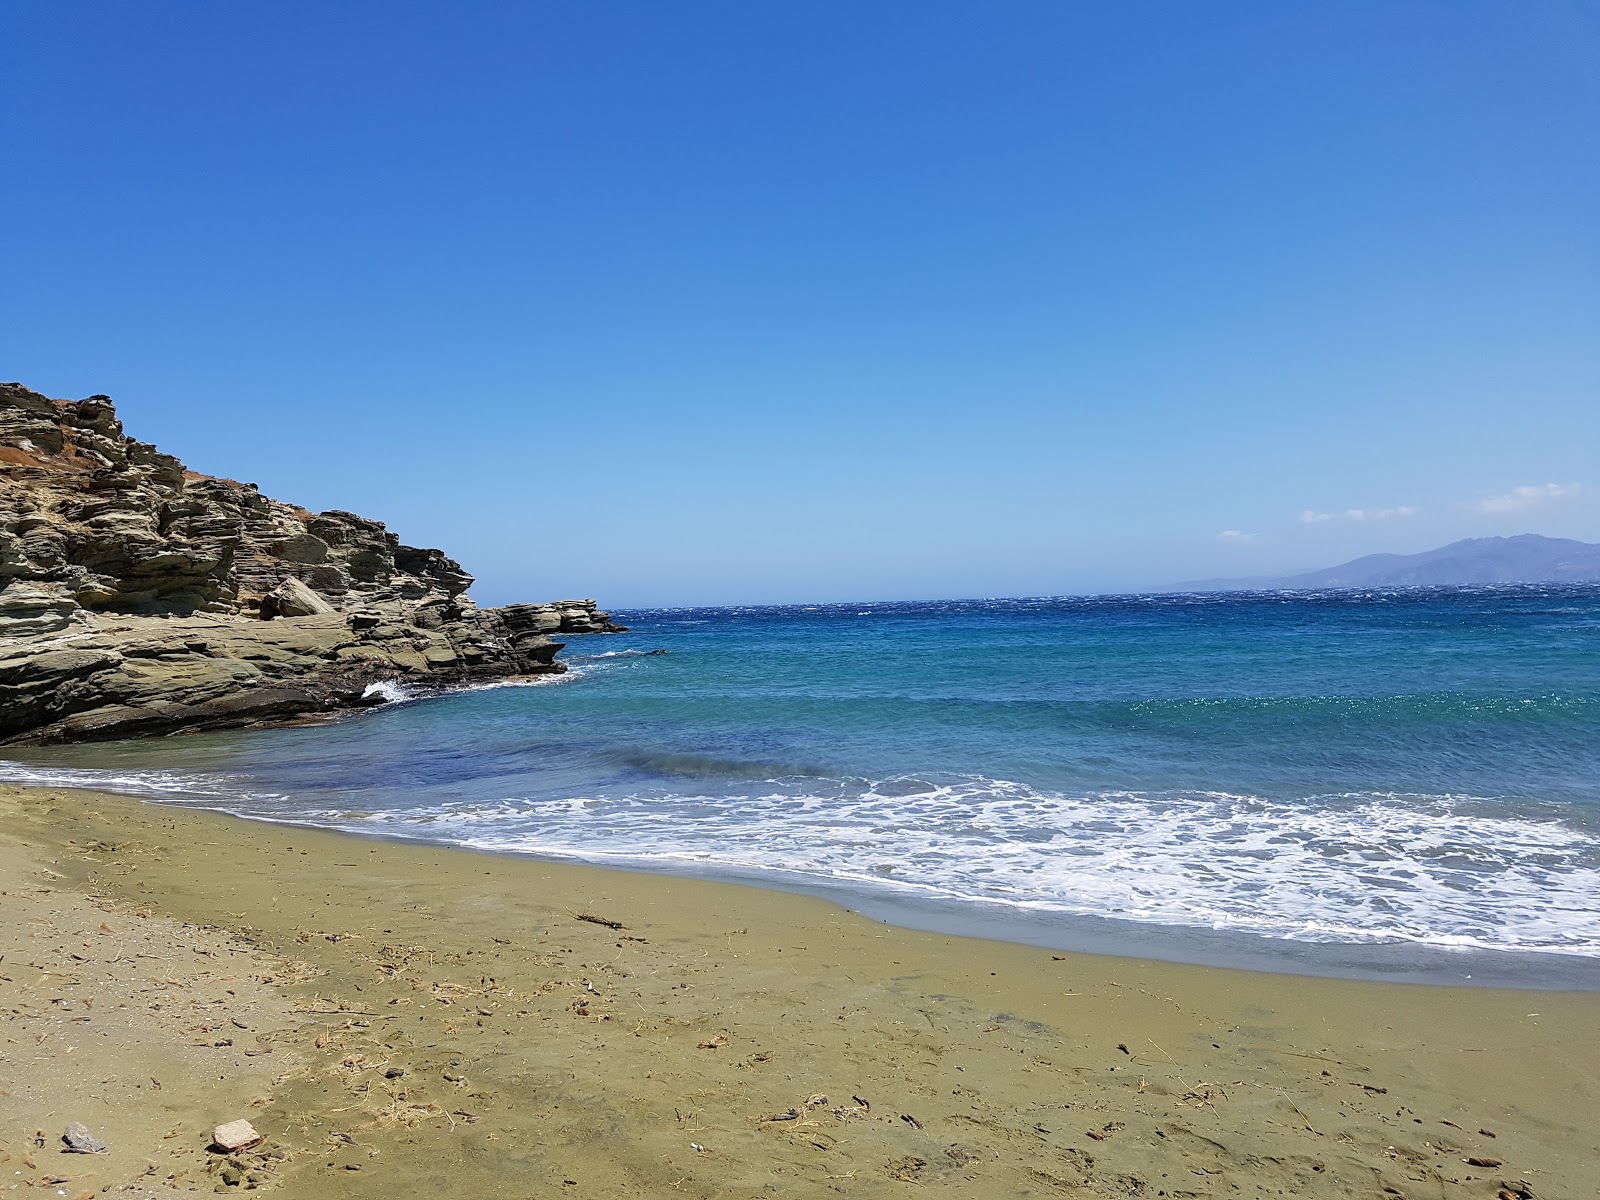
{"type": "Point", "coordinates": [528, 682]}
{"type": "Point", "coordinates": [1360, 868]}
{"type": "Point", "coordinates": [176, 787]}
{"type": "Point", "coordinates": [1438, 870]}
{"type": "Point", "coordinates": [391, 690]}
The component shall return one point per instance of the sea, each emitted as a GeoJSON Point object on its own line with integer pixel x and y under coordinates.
{"type": "Point", "coordinates": [1399, 784]}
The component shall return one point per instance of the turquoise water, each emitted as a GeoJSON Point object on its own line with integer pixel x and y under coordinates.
{"type": "Point", "coordinates": [1416, 773]}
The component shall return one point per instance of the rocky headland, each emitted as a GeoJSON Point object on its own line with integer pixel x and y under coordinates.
{"type": "Point", "coordinates": [139, 597]}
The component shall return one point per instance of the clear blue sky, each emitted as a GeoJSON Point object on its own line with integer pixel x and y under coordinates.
{"type": "Point", "coordinates": [730, 302]}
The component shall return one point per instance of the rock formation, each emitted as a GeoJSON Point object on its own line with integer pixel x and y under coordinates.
{"type": "Point", "coordinates": [137, 596]}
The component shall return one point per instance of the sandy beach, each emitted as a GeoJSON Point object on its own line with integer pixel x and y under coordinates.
{"type": "Point", "coordinates": [400, 1019]}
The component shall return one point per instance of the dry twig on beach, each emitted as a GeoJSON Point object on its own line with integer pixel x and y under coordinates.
{"type": "Point", "coordinates": [594, 920]}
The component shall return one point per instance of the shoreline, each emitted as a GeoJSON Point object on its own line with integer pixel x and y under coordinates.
{"type": "Point", "coordinates": [536, 1046]}
{"type": "Point", "coordinates": [1414, 962]}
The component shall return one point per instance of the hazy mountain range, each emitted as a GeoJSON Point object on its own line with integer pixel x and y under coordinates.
{"type": "Point", "coordinates": [1525, 558]}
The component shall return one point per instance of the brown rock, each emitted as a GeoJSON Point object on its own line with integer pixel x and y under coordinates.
{"type": "Point", "coordinates": [139, 597]}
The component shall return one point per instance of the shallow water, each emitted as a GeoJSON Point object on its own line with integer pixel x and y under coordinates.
{"type": "Point", "coordinates": [1227, 778]}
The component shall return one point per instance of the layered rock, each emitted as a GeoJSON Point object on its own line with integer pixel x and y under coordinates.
{"type": "Point", "coordinates": [138, 596]}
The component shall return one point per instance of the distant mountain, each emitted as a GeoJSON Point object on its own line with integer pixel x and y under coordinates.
{"type": "Point", "coordinates": [1526, 558]}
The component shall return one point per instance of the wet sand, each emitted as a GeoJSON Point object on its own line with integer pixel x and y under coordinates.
{"type": "Point", "coordinates": [409, 1020]}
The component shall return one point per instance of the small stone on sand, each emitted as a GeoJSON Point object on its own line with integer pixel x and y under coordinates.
{"type": "Point", "coordinates": [80, 1141]}
{"type": "Point", "coordinates": [235, 1135]}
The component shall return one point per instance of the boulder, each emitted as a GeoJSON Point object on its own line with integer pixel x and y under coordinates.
{"type": "Point", "coordinates": [291, 598]}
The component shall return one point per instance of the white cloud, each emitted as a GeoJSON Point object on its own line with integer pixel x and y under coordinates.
{"type": "Point", "coordinates": [1359, 514]}
{"type": "Point", "coordinates": [1520, 498]}
{"type": "Point", "coordinates": [1237, 536]}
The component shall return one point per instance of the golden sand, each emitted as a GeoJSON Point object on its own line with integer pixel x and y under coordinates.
{"type": "Point", "coordinates": [405, 1020]}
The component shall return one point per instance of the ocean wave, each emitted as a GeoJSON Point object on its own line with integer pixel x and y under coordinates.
{"type": "Point", "coordinates": [201, 788]}
{"type": "Point", "coordinates": [1436, 870]}
{"type": "Point", "coordinates": [577, 669]}
{"type": "Point", "coordinates": [682, 764]}
{"type": "Point", "coordinates": [1349, 868]}
{"type": "Point", "coordinates": [392, 691]}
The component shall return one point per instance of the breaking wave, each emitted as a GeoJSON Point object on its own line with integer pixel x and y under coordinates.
{"type": "Point", "coordinates": [1440, 870]}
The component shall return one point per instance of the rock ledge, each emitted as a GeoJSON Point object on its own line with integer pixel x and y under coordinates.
{"type": "Point", "coordinates": [138, 597]}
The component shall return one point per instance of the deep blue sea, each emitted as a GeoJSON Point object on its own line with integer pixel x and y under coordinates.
{"type": "Point", "coordinates": [1391, 782]}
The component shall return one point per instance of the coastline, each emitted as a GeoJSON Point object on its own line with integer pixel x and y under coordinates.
{"type": "Point", "coordinates": [1446, 962]}
{"type": "Point", "coordinates": [537, 1047]}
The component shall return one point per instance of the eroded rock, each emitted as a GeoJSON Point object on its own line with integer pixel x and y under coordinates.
{"type": "Point", "coordinates": [137, 596]}
{"type": "Point", "coordinates": [294, 598]}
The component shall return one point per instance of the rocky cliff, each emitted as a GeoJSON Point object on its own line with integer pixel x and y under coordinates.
{"type": "Point", "coordinates": [137, 596]}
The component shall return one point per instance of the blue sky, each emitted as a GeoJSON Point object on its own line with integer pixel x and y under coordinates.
{"type": "Point", "coordinates": [739, 302]}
